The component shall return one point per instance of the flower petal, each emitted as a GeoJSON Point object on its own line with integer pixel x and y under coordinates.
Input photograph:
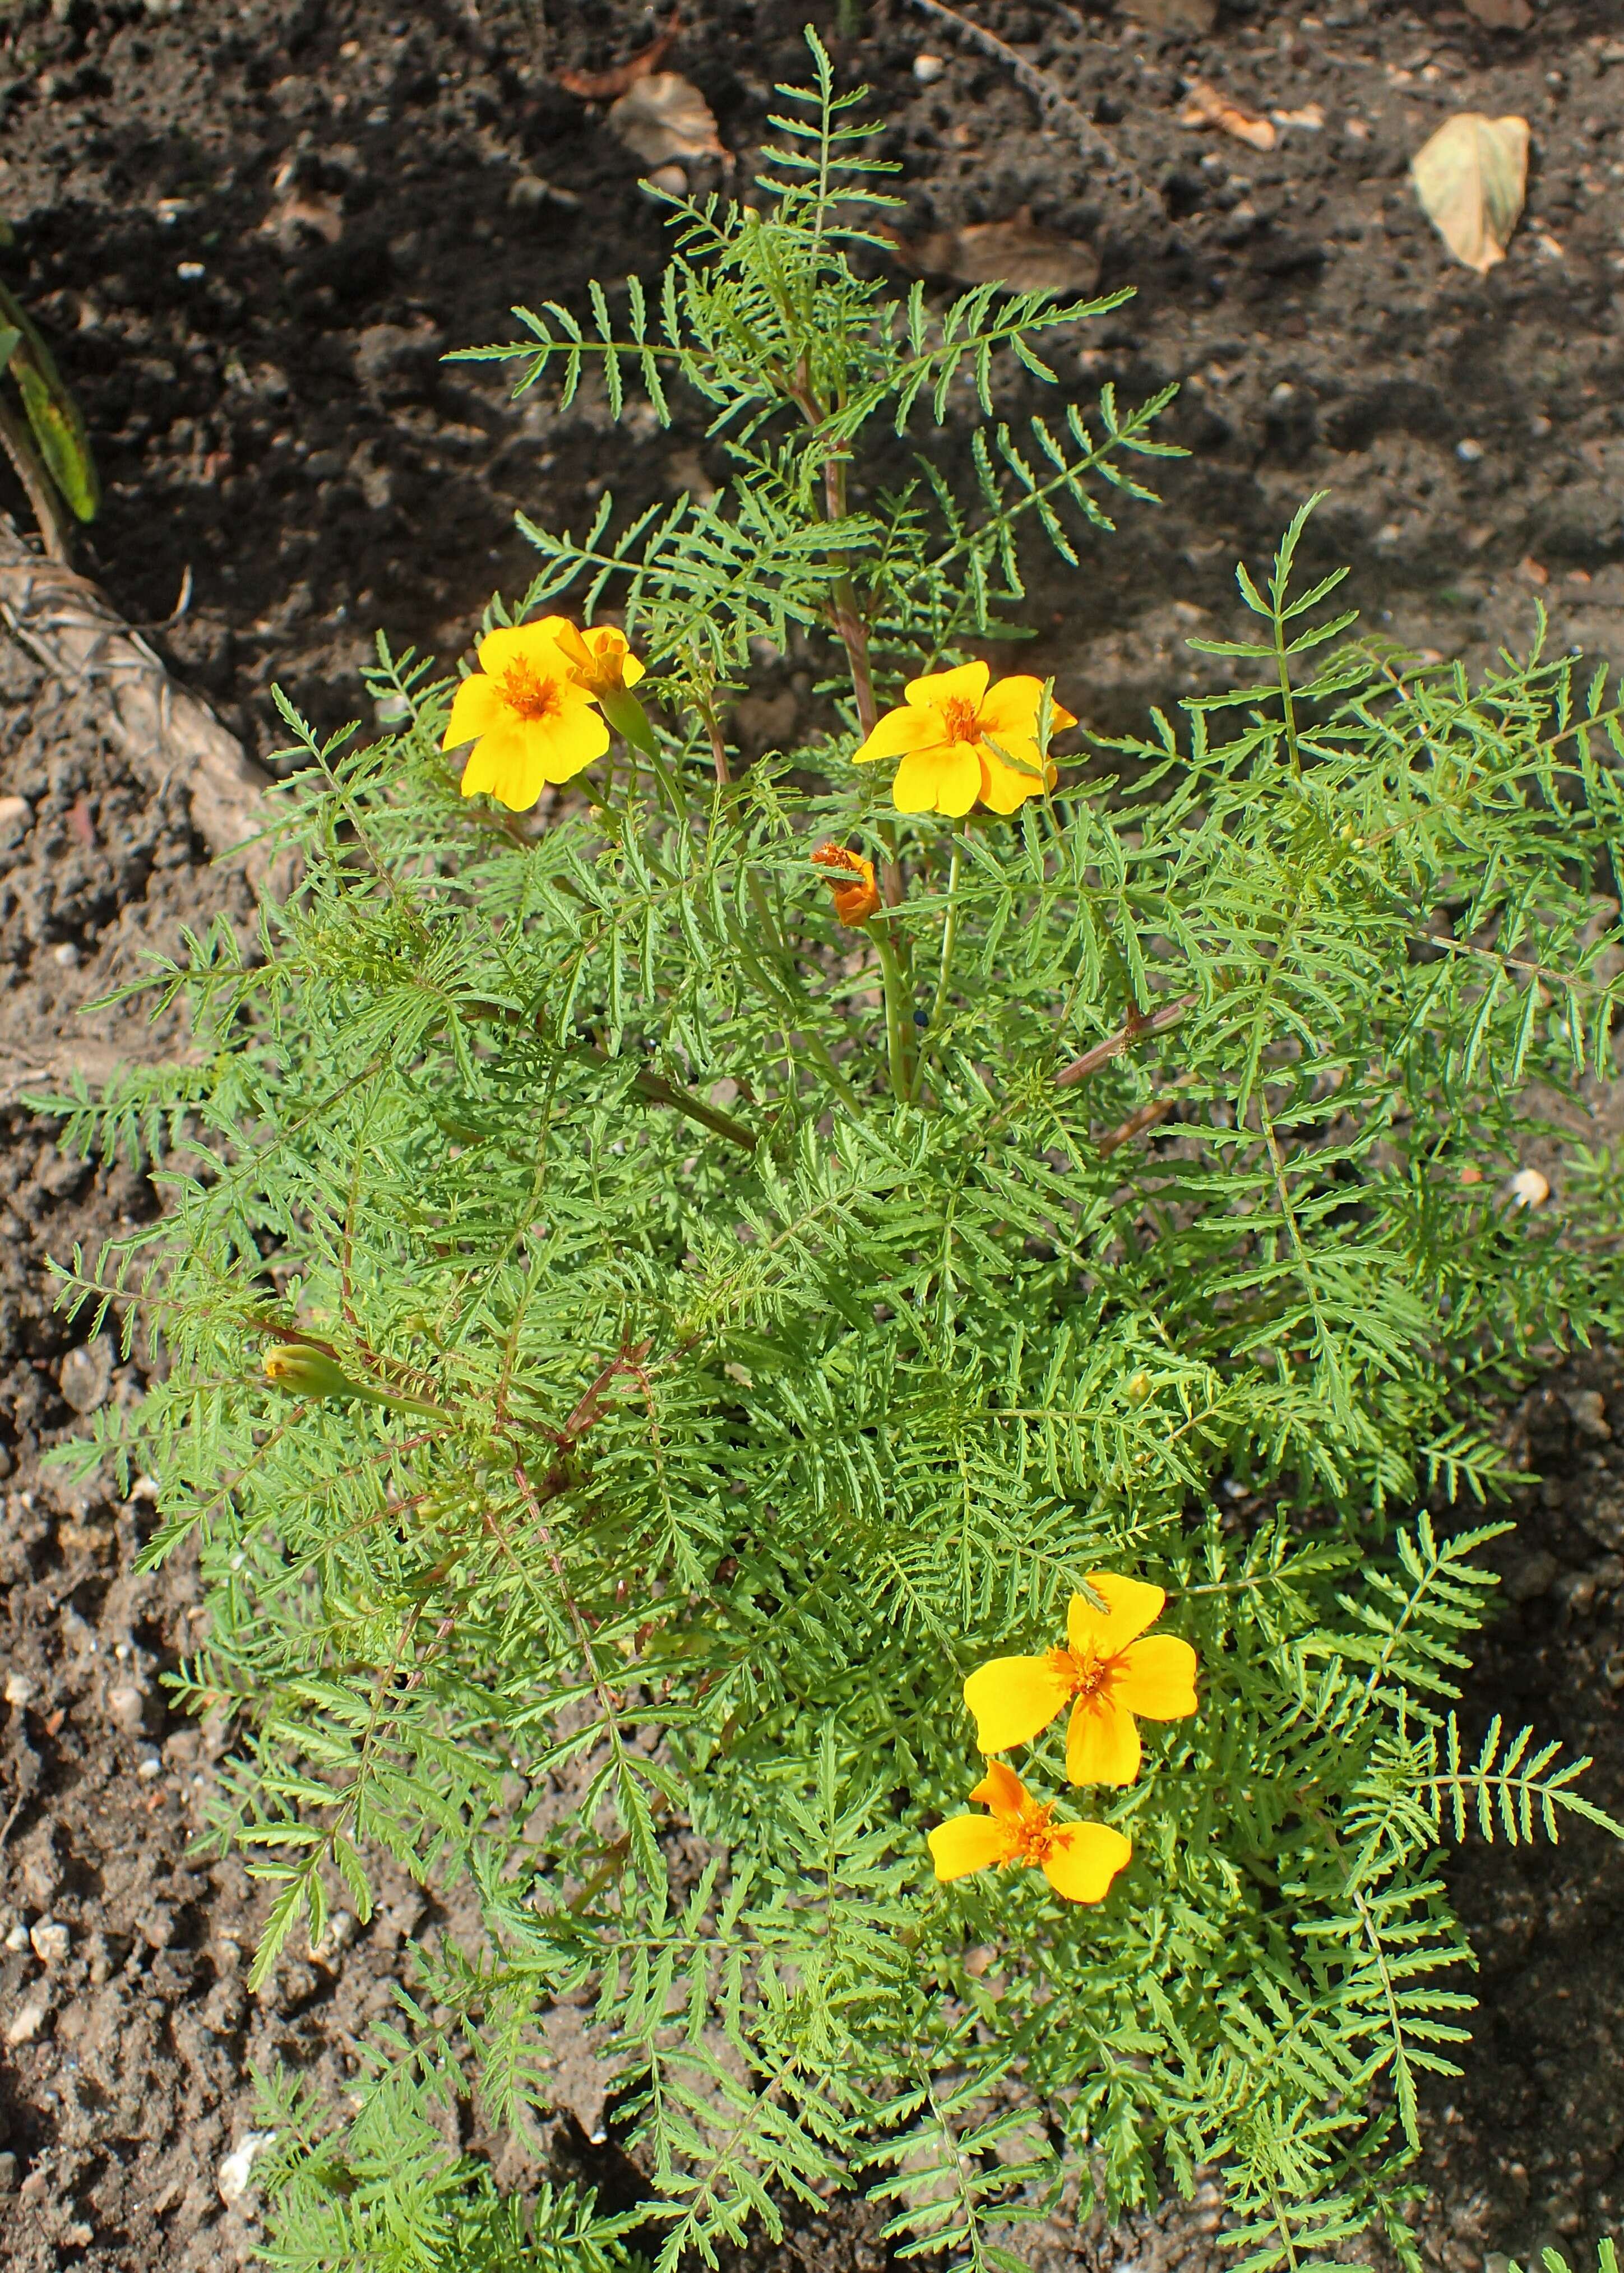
{"type": "Point", "coordinates": [1004, 787]}
{"type": "Point", "coordinates": [1009, 708]}
{"type": "Point", "coordinates": [1157, 1676]}
{"type": "Point", "coordinates": [475, 709]}
{"type": "Point", "coordinates": [897, 733]}
{"type": "Point", "coordinates": [967, 1842]}
{"type": "Point", "coordinates": [1131, 1606]}
{"type": "Point", "coordinates": [505, 764]}
{"type": "Point", "coordinates": [1084, 1858]}
{"type": "Point", "coordinates": [1012, 1698]}
{"type": "Point", "coordinates": [1102, 1742]}
{"type": "Point", "coordinates": [1001, 1789]}
{"type": "Point", "coordinates": [533, 643]}
{"type": "Point", "coordinates": [967, 683]}
{"type": "Point", "coordinates": [570, 739]}
{"type": "Point", "coordinates": [941, 779]}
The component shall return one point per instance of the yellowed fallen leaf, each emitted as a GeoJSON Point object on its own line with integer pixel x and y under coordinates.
{"type": "Point", "coordinates": [1018, 252]}
{"type": "Point", "coordinates": [665, 116]}
{"type": "Point", "coordinates": [1472, 178]}
{"type": "Point", "coordinates": [1205, 106]}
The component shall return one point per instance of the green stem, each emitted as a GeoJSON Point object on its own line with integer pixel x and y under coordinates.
{"type": "Point", "coordinates": [950, 939]}
{"type": "Point", "coordinates": [899, 1040]}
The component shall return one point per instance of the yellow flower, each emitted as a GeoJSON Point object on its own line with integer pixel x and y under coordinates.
{"type": "Point", "coordinates": [956, 736]}
{"type": "Point", "coordinates": [529, 720]}
{"type": "Point", "coordinates": [600, 659]}
{"type": "Point", "coordinates": [856, 895]}
{"type": "Point", "coordinates": [1107, 1674]}
{"type": "Point", "coordinates": [1079, 1860]}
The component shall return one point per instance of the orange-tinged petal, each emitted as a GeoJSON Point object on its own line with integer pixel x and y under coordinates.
{"type": "Point", "coordinates": [507, 764]}
{"type": "Point", "coordinates": [1082, 1858]}
{"type": "Point", "coordinates": [941, 779]}
{"type": "Point", "coordinates": [475, 709]}
{"type": "Point", "coordinates": [897, 733]}
{"type": "Point", "coordinates": [1102, 1742]}
{"type": "Point", "coordinates": [965, 683]}
{"type": "Point", "coordinates": [1009, 708]}
{"type": "Point", "coordinates": [1001, 1789]}
{"type": "Point", "coordinates": [631, 670]}
{"type": "Point", "coordinates": [1157, 1676]}
{"type": "Point", "coordinates": [531, 643]}
{"type": "Point", "coordinates": [1130, 1606]}
{"type": "Point", "coordinates": [969, 1843]}
{"type": "Point", "coordinates": [1004, 787]}
{"type": "Point", "coordinates": [564, 635]}
{"type": "Point", "coordinates": [1059, 717]}
{"type": "Point", "coordinates": [1013, 1699]}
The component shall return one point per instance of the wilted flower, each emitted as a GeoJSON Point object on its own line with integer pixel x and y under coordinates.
{"type": "Point", "coordinates": [1107, 1674]}
{"type": "Point", "coordinates": [855, 894]}
{"type": "Point", "coordinates": [527, 716]}
{"type": "Point", "coordinates": [960, 739]}
{"type": "Point", "coordinates": [1079, 1860]}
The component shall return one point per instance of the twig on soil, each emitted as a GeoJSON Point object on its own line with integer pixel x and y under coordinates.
{"type": "Point", "coordinates": [1135, 1125]}
{"type": "Point", "coordinates": [167, 732]}
{"type": "Point", "coordinates": [1052, 100]}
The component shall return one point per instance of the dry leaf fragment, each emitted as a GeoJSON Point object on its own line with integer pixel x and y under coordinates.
{"type": "Point", "coordinates": [1501, 15]}
{"type": "Point", "coordinates": [606, 86]}
{"type": "Point", "coordinates": [1194, 18]}
{"type": "Point", "coordinates": [1471, 179]}
{"type": "Point", "coordinates": [665, 117]}
{"type": "Point", "coordinates": [1018, 252]}
{"type": "Point", "coordinates": [1205, 106]}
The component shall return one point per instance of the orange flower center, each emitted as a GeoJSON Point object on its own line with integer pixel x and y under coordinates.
{"type": "Point", "coordinates": [1087, 1674]}
{"type": "Point", "coordinates": [1033, 1830]}
{"type": "Point", "coordinates": [961, 721]}
{"type": "Point", "coordinates": [525, 691]}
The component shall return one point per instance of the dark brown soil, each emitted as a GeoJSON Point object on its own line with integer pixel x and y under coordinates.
{"type": "Point", "coordinates": [252, 233]}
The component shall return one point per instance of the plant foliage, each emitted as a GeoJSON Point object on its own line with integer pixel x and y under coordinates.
{"type": "Point", "coordinates": [698, 1388]}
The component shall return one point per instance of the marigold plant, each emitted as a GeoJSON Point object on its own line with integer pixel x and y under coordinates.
{"type": "Point", "coordinates": [671, 1310]}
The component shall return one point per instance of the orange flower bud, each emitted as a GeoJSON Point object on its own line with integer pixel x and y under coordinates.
{"type": "Point", "coordinates": [858, 899]}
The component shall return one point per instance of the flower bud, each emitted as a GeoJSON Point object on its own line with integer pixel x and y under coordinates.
{"type": "Point", "coordinates": [306, 1372]}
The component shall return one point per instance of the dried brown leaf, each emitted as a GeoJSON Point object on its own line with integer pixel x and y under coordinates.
{"type": "Point", "coordinates": [1195, 19]}
{"type": "Point", "coordinates": [1501, 15]}
{"type": "Point", "coordinates": [1205, 105]}
{"type": "Point", "coordinates": [665, 117]}
{"type": "Point", "coordinates": [1471, 178]}
{"type": "Point", "coordinates": [607, 86]}
{"type": "Point", "coordinates": [1018, 252]}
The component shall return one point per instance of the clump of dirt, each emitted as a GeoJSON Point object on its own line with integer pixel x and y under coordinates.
{"type": "Point", "coordinates": [252, 237]}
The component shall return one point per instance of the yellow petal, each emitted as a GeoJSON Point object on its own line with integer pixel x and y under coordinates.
{"type": "Point", "coordinates": [967, 683]}
{"type": "Point", "coordinates": [897, 733]}
{"type": "Point", "coordinates": [532, 643]}
{"type": "Point", "coordinates": [1009, 708]}
{"type": "Point", "coordinates": [967, 1842]}
{"type": "Point", "coordinates": [571, 739]}
{"type": "Point", "coordinates": [1102, 1742]}
{"type": "Point", "coordinates": [1059, 717]}
{"type": "Point", "coordinates": [1131, 1606]}
{"type": "Point", "coordinates": [475, 709]}
{"type": "Point", "coordinates": [1005, 787]}
{"type": "Point", "coordinates": [1157, 1676]}
{"type": "Point", "coordinates": [1001, 1789]}
{"type": "Point", "coordinates": [1083, 1860]}
{"type": "Point", "coordinates": [631, 670]}
{"type": "Point", "coordinates": [1012, 1698]}
{"type": "Point", "coordinates": [507, 764]}
{"type": "Point", "coordinates": [944, 778]}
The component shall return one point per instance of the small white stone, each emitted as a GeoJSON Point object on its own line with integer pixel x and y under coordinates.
{"type": "Point", "coordinates": [151, 1766]}
{"type": "Point", "coordinates": [190, 271]}
{"type": "Point", "coordinates": [66, 954]}
{"type": "Point", "coordinates": [1528, 1188]}
{"type": "Point", "coordinates": [51, 1942]}
{"type": "Point", "coordinates": [19, 1691]}
{"type": "Point", "coordinates": [236, 2174]}
{"type": "Point", "coordinates": [125, 1705]}
{"type": "Point", "coordinates": [670, 178]}
{"type": "Point", "coordinates": [1469, 452]}
{"type": "Point", "coordinates": [927, 69]}
{"type": "Point", "coordinates": [17, 1937]}
{"type": "Point", "coordinates": [26, 2022]}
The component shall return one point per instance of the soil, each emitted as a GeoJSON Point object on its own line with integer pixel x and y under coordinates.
{"type": "Point", "coordinates": [250, 234]}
